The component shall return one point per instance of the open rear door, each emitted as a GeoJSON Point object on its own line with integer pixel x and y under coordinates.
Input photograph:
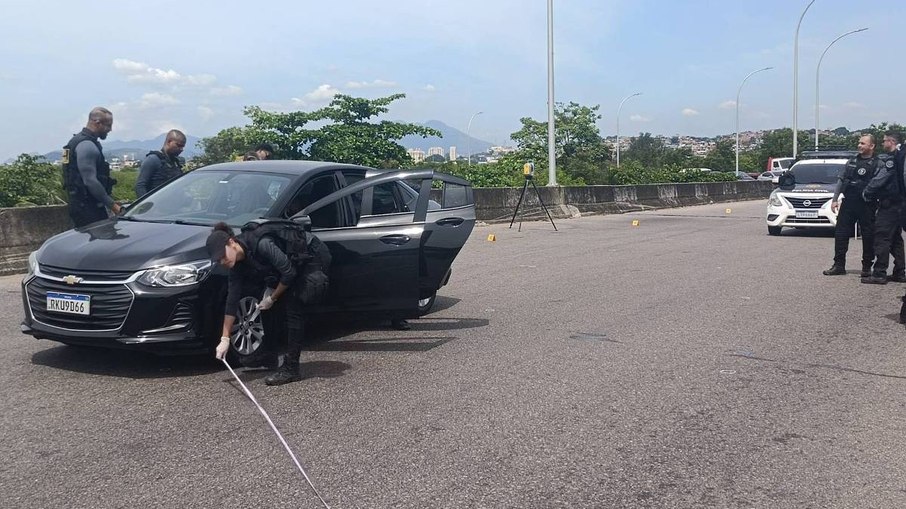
{"type": "Point", "coordinates": [449, 219]}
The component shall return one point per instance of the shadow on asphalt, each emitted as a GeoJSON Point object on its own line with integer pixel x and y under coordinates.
{"type": "Point", "coordinates": [123, 363]}
{"type": "Point", "coordinates": [326, 337]}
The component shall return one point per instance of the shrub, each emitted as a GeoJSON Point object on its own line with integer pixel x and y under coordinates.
{"type": "Point", "coordinates": [30, 180]}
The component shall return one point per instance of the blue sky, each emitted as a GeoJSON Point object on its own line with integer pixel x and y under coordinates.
{"type": "Point", "coordinates": [194, 64]}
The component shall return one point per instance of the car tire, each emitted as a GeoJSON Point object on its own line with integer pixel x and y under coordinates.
{"type": "Point", "coordinates": [247, 334]}
{"type": "Point", "coordinates": [774, 230]}
{"type": "Point", "coordinates": [425, 304]}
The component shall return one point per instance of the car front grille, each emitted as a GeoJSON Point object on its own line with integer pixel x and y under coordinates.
{"type": "Point", "coordinates": [110, 304]}
{"type": "Point", "coordinates": [814, 203]}
{"type": "Point", "coordinates": [86, 275]}
{"type": "Point", "coordinates": [812, 221]}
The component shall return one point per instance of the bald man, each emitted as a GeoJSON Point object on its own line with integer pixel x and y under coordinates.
{"type": "Point", "coordinates": [161, 165]}
{"type": "Point", "coordinates": [86, 174]}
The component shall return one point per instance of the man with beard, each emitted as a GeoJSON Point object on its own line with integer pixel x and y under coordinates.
{"type": "Point", "coordinates": [161, 165]}
{"type": "Point", "coordinates": [86, 174]}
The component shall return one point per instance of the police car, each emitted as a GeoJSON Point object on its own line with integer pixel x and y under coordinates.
{"type": "Point", "coordinates": [803, 199]}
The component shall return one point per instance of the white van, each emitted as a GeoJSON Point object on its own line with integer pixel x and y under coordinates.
{"type": "Point", "coordinates": [779, 163]}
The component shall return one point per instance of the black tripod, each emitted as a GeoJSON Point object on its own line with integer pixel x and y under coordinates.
{"type": "Point", "coordinates": [528, 178]}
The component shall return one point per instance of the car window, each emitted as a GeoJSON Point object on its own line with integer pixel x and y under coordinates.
{"type": "Point", "coordinates": [351, 177]}
{"type": "Point", "coordinates": [817, 173]}
{"type": "Point", "coordinates": [208, 197]}
{"type": "Point", "coordinates": [328, 216]}
{"type": "Point", "coordinates": [386, 200]}
{"type": "Point", "coordinates": [454, 195]}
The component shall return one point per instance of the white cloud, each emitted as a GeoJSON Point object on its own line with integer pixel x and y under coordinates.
{"type": "Point", "coordinates": [156, 100]}
{"type": "Point", "coordinates": [230, 90]}
{"type": "Point", "coordinates": [140, 72]}
{"type": "Point", "coordinates": [727, 105]}
{"type": "Point", "coordinates": [854, 105]}
{"type": "Point", "coordinates": [429, 87]}
{"type": "Point", "coordinates": [322, 94]}
{"type": "Point", "coordinates": [205, 112]}
{"type": "Point", "coordinates": [639, 118]}
{"type": "Point", "coordinates": [373, 84]}
{"type": "Point", "coordinates": [689, 112]}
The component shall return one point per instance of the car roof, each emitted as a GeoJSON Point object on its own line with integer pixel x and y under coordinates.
{"type": "Point", "coordinates": [284, 167]}
{"type": "Point", "coordinates": [829, 160]}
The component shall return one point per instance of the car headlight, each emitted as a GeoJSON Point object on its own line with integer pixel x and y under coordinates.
{"type": "Point", "coordinates": [775, 200]}
{"type": "Point", "coordinates": [32, 264]}
{"type": "Point", "coordinates": [176, 275]}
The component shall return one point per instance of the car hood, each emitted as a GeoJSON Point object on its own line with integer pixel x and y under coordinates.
{"type": "Point", "coordinates": [118, 245]}
{"type": "Point", "coordinates": [811, 188]}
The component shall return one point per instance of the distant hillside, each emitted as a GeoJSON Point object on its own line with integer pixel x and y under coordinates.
{"type": "Point", "coordinates": [452, 137]}
{"type": "Point", "coordinates": [136, 149]}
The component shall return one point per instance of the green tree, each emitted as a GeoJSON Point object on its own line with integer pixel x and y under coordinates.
{"type": "Point", "coordinates": [348, 133]}
{"type": "Point", "coordinates": [779, 143]}
{"type": "Point", "coordinates": [30, 180]}
{"type": "Point", "coordinates": [646, 150]}
{"type": "Point", "coordinates": [582, 155]}
{"type": "Point", "coordinates": [722, 157]}
{"type": "Point", "coordinates": [222, 147]}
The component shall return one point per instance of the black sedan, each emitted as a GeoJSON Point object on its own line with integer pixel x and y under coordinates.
{"type": "Point", "coordinates": [143, 280]}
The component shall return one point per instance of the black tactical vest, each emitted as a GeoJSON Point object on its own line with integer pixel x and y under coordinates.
{"type": "Point", "coordinates": [858, 172]}
{"type": "Point", "coordinates": [72, 179]}
{"type": "Point", "coordinates": [169, 168]}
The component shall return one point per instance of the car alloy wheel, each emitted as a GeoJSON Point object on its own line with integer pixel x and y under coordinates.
{"type": "Point", "coordinates": [425, 304]}
{"type": "Point", "coordinates": [247, 333]}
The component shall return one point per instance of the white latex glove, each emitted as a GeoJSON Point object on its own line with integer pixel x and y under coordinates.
{"type": "Point", "coordinates": [222, 348]}
{"type": "Point", "coordinates": [266, 303]}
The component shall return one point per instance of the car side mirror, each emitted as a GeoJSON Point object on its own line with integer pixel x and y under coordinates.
{"type": "Point", "coordinates": [786, 181]}
{"type": "Point", "coordinates": [305, 221]}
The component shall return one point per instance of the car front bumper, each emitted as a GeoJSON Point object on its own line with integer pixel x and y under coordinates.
{"type": "Point", "coordinates": [787, 215]}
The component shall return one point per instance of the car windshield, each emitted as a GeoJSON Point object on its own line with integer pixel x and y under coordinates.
{"type": "Point", "coordinates": [816, 173]}
{"type": "Point", "coordinates": [786, 163]}
{"type": "Point", "coordinates": [207, 197]}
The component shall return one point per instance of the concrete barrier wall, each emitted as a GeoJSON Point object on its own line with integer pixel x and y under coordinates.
{"type": "Point", "coordinates": [22, 230]}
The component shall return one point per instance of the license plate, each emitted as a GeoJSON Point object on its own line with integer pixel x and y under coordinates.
{"type": "Point", "coordinates": [69, 303]}
{"type": "Point", "coordinates": [807, 214]}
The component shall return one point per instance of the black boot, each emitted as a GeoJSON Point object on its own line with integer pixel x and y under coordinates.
{"type": "Point", "coordinates": [897, 277]}
{"type": "Point", "coordinates": [874, 280]}
{"type": "Point", "coordinates": [866, 270]}
{"type": "Point", "coordinates": [288, 372]}
{"type": "Point", "coordinates": [836, 270]}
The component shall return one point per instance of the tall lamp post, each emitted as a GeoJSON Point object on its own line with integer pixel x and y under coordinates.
{"type": "Point", "coordinates": [618, 123]}
{"type": "Point", "coordinates": [469, 137]}
{"type": "Point", "coordinates": [737, 113]}
{"type": "Point", "coordinates": [796, 82]}
{"type": "Point", "coordinates": [551, 138]}
{"type": "Point", "coordinates": [818, 74]}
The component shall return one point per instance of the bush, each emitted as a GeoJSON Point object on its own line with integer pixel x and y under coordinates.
{"type": "Point", "coordinates": [124, 190]}
{"type": "Point", "coordinates": [30, 181]}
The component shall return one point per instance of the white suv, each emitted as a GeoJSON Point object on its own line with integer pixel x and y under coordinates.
{"type": "Point", "coordinates": [806, 203]}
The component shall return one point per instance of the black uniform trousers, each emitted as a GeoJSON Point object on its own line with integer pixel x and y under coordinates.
{"type": "Point", "coordinates": [852, 211]}
{"type": "Point", "coordinates": [285, 328]}
{"type": "Point", "coordinates": [83, 213]}
{"type": "Point", "coordinates": [888, 237]}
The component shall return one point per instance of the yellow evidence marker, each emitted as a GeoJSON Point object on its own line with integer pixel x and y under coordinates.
{"type": "Point", "coordinates": [635, 222]}
{"type": "Point", "coordinates": [492, 238]}
{"type": "Point", "coordinates": [729, 211]}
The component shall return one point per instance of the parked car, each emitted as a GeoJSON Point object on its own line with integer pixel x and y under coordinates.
{"type": "Point", "coordinates": [743, 176]}
{"type": "Point", "coordinates": [772, 176]}
{"type": "Point", "coordinates": [144, 280]}
{"type": "Point", "coordinates": [804, 201]}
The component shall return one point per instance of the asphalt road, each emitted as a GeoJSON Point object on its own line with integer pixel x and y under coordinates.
{"type": "Point", "coordinates": [689, 361]}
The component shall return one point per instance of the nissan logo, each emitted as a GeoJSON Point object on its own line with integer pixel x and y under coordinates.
{"type": "Point", "coordinates": [807, 203]}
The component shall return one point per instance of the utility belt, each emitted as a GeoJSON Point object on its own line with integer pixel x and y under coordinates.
{"type": "Point", "coordinates": [890, 202]}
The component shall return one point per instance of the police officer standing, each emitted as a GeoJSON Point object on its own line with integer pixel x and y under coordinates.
{"type": "Point", "coordinates": [887, 189]}
{"type": "Point", "coordinates": [86, 174]}
{"type": "Point", "coordinates": [161, 165]}
{"type": "Point", "coordinates": [851, 182]}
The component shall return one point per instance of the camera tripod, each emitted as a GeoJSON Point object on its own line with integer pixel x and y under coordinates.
{"type": "Point", "coordinates": [528, 178]}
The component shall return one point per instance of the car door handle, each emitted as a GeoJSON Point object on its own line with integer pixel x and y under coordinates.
{"type": "Point", "coordinates": [396, 240]}
{"type": "Point", "coordinates": [450, 221]}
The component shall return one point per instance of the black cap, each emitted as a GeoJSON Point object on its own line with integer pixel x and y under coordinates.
{"type": "Point", "coordinates": [216, 245]}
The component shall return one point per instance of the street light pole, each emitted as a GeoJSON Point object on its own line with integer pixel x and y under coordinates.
{"type": "Point", "coordinates": [737, 113]}
{"type": "Point", "coordinates": [551, 138]}
{"type": "Point", "coordinates": [818, 74]}
{"type": "Point", "coordinates": [618, 123]}
{"type": "Point", "coordinates": [469, 137]}
{"type": "Point", "coordinates": [796, 82]}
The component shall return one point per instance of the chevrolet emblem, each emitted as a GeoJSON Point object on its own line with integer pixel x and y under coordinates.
{"type": "Point", "coordinates": [71, 280]}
